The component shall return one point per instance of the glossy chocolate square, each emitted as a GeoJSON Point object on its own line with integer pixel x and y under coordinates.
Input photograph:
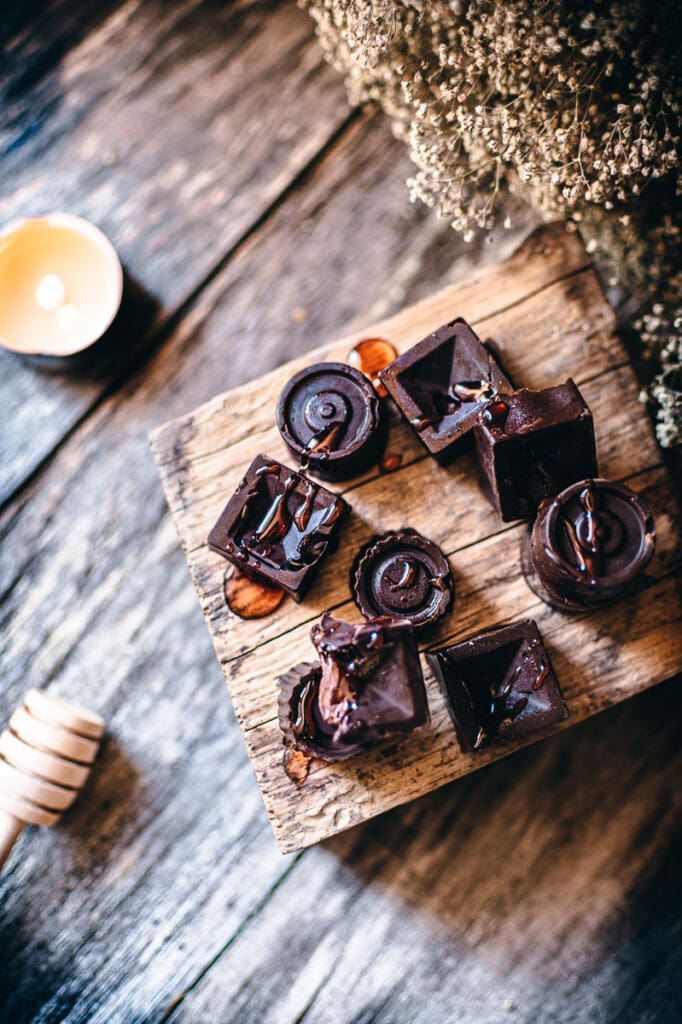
{"type": "Point", "coordinates": [533, 444]}
{"type": "Point", "coordinates": [499, 685]}
{"type": "Point", "coordinates": [422, 383]}
{"type": "Point", "coordinates": [277, 526]}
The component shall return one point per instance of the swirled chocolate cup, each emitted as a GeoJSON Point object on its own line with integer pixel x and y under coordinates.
{"type": "Point", "coordinates": [588, 545]}
{"type": "Point", "coordinates": [330, 416]}
{"type": "Point", "coordinates": [403, 574]}
{"type": "Point", "coordinates": [367, 689]}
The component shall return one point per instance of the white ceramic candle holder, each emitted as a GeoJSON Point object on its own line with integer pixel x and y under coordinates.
{"type": "Point", "coordinates": [61, 285]}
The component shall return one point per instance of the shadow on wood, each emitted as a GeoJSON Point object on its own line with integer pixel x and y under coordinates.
{"type": "Point", "coordinates": [552, 847]}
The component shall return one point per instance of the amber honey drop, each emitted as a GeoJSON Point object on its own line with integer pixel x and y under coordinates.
{"type": "Point", "coordinates": [249, 599]}
{"type": "Point", "coordinates": [296, 765]}
{"type": "Point", "coordinates": [391, 462]}
{"type": "Point", "coordinates": [371, 355]}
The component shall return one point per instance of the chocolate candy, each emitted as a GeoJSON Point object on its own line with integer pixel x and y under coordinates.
{"type": "Point", "coordinates": [588, 545]}
{"type": "Point", "coordinates": [404, 575]}
{"type": "Point", "coordinates": [532, 444]}
{"type": "Point", "coordinates": [499, 685]}
{"type": "Point", "coordinates": [330, 416]}
{"type": "Point", "coordinates": [277, 526]}
{"type": "Point", "coordinates": [367, 689]}
{"type": "Point", "coordinates": [441, 384]}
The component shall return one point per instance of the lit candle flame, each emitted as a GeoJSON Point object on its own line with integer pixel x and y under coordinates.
{"type": "Point", "coordinates": [50, 293]}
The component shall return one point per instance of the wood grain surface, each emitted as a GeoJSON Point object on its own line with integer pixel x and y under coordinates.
{"type": "Point", "coordinates": [545, 310]}
{"type": "Point", "coordinates": [542, 890]}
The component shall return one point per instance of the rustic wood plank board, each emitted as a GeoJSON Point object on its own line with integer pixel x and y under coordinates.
{"type": "Point", "coordinates": [545, 308]}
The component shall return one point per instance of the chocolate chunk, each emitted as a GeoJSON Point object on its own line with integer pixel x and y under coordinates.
{"type": "Point", "coordinates": [532, 444]}
{"type": "Point", "coordinates": [404, 575]}
{"type": "Point", "coordinates": [588, 545]}
{"type": "Point", "coordinates": [277, 526]}
{"type": "Point", "coordinates": [330, 416]}
{"type": "Point", "coordinates": [499, 685]}
{"type": "Point", "coordinates": [441, 384]}
{"type": "Point", "coordinates": [367, 689]}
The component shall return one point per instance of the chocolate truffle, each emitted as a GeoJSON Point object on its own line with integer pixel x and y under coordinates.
{"type": "Point", "coordinates": [441, 384]}
{"type": "Point", "coordinates": [330, 416]}
{"type": "Point", "coordinates": [588, 545]}
{"type": "Point", "coordinates": [403, 574]}
{"type": "Point", "coordinates": [532, 444]}
{"type": "Point", "coordinates": [499, 685]}
{"type": "Point", "coordinates": [367, 689]}
{"type": "Point", "coordinates": [277, 526]}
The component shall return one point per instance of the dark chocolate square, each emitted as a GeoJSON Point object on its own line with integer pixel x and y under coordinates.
{"type": "Point", "coordinates": [422, 381]}
{"type": "Point", "coordinates": [536, 444]}
{"type": "Point", "coordinates": [277, 526]}
{"type": "Point", "coordinates": [499, 685]}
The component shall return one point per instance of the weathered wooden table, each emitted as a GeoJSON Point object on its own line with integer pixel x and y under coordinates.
{"type": "Point", "coordinates": [259, 216]}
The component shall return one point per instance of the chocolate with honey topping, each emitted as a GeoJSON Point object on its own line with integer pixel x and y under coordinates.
{"type": "Point", "coordinates": [367, 689]}
{"type": "Point", "coordinates": [331, 418]}
{"type": "Point", "coordinates": [499, 685]}
{"type": "Point", "coordinates": [277, 526]}
{"type": "Point", "coordinates": [403, 574]}
{"type": "Point", "coordinates": [532, 444]}
{"type": "Point", "coordinates": [441, 384]}
{"type": "Point", "coordinates": [588, 545]}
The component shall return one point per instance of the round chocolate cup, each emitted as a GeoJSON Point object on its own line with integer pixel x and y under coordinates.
{"type": "Point", "coordinates": [403, 575]}
{"type": "Point", "coordinates": [302, 726]}
{"type": "Point", "coordinates": [588, 545]}
{"type": "Point", "coordinates": [330, 416]}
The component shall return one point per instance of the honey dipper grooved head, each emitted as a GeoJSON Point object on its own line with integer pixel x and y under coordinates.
{"type": "Point", "coordinates": [45, 759]}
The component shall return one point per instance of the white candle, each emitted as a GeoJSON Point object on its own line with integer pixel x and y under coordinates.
{"type": "Point", "coordinates": [60, 285]}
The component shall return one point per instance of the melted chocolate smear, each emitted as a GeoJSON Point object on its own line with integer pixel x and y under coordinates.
{"type": "Point", "coordinates": [422, 422]}
{"type": "Point", "coordinates": [326, 440]}
{"type": "Point", "coordinates": [302, 513]}
{"type": "Point", "coordinates": [371, 355]}
{"type": "Point", "coordinates": [472, 391]}
{"type": "Point", "coordinates": [296, 765]}
{"type": "Point", "coordinates": [249, 599]}
{"type": "Point", "coordinates": [276, 520]}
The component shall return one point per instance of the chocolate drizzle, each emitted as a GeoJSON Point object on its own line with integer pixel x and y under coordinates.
{"type": "Point", "coordinates": [588, 544]}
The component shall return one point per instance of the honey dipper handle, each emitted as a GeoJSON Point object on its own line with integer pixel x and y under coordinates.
{"type": "Point", "coordinates": [10, 829]}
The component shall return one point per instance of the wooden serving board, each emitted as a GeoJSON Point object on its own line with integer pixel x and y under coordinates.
{"type": "Point", "coordinates": [546, 311]}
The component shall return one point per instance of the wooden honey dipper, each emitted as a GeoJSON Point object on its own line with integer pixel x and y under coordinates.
{"type": "Point", "coordinates": [45, 760]}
